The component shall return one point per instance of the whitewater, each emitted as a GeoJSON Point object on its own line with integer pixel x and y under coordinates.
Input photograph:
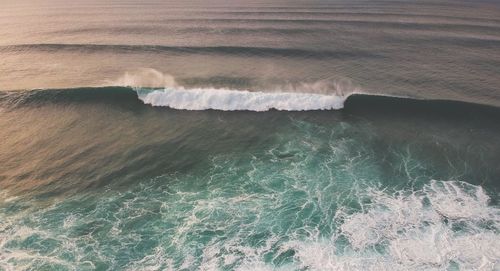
{"type": "Point", "coordinates": [159, 89]}
{"type": "Point", "coordinates": [231, 100]}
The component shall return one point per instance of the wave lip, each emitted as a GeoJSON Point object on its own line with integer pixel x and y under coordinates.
{"type": "Point", "coordinates": [239, 100]}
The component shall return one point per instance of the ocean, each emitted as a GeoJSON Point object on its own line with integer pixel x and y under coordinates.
{"type": "Point", "coordinates": [250, 135]}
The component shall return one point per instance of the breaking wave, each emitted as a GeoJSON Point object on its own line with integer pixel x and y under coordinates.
{"type": "Point", "coordinates": [232, 100]}
{"type": "Point", "coordinates": [152, 87]}
{"type": "Point", "coordinates": [158, 89]}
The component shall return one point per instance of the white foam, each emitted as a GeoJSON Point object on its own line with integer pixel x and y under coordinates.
{"type": "Point", "coordinates": [299, 96]}
{"type": "Point", "coordinates": [432, 229]}
{"type": "Point", "coordinates": [233, 100]}
{"type": "Point", "coordinates": [444, 226]}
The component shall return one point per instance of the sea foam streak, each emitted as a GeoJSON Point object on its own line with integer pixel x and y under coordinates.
{"type": "Point", "coordinates": [444, 226]}
{"type": "Point", "coordinates": [233, 100]}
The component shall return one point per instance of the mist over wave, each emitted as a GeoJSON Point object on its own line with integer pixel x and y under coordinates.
{"type": "Point", "coordinates": [302, 96]}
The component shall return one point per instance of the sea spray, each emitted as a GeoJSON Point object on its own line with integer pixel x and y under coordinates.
{"type": "Point", "coordinates": [160, 89]}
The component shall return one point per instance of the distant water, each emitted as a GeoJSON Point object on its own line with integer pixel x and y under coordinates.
{"type": "Point", "coordinates": [427, 49]}
{"type": "Point", "coordinates": [269, 135]}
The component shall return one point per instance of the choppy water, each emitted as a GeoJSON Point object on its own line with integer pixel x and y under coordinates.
{"type": "Point", "coordinates": [145, 147]}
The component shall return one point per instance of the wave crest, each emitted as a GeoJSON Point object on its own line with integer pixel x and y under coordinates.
{"type": "Point", "coordinates": [290, 97]}
{"type": "Point", "coordinates": [233, 100]}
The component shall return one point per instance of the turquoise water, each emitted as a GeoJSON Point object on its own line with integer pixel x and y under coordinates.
{"type": "Point", "coordinates": [257, 191]}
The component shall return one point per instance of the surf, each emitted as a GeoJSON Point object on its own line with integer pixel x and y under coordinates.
{"type": "Point", "coordinates": [234, 100]}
